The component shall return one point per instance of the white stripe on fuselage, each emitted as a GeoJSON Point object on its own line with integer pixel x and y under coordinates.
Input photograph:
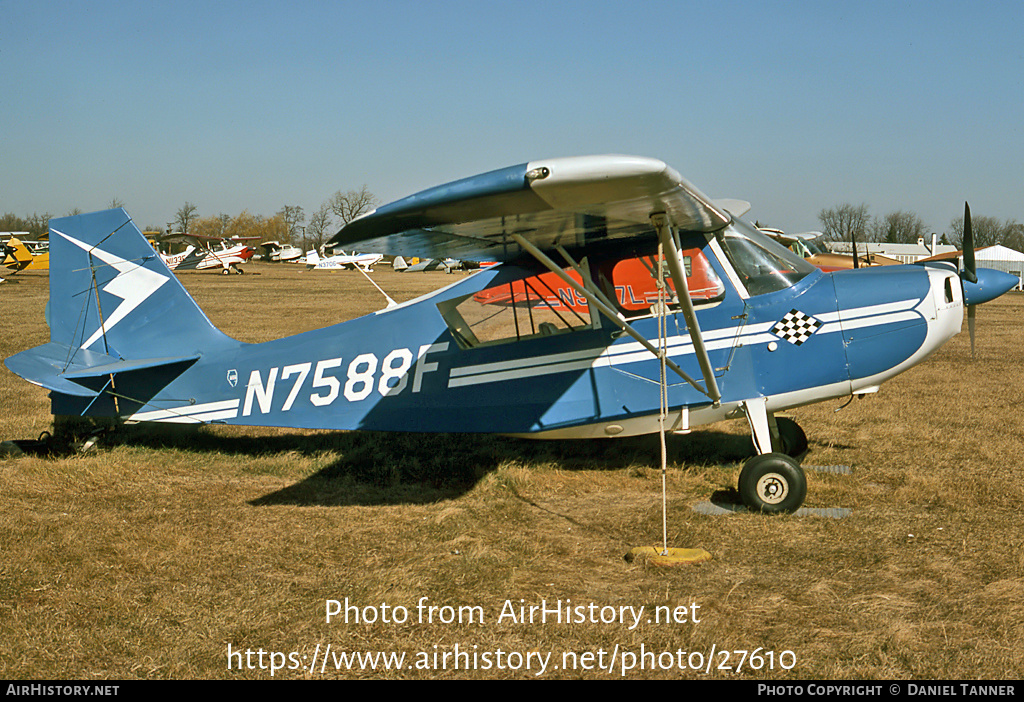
{"type": "Point", "coordinates": [190, 414]}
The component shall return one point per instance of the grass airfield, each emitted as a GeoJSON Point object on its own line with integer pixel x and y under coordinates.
{"type": "Point", "coordinates": [216, 553]}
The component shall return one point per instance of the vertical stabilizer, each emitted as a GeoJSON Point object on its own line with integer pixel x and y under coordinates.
{"type": "Point", "coordinates": [111, 294]}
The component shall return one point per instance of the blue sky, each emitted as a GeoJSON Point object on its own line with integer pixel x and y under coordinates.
{"type": "Point", "coordinates": [794, 106]}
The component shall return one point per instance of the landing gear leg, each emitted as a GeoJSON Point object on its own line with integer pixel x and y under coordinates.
{"type": "Point", "coordinates": [771, 433]}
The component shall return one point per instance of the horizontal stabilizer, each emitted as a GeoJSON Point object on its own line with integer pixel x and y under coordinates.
{"type": "Point", "coordinates": [128, 366]}
{"type": "Point", "coordinates": [87, 375]}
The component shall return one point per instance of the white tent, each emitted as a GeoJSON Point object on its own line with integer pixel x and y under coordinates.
{"type": "Point", "coordinates": [1002, 258]}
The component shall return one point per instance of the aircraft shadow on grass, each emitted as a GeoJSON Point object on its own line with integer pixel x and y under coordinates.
{"type": "Point", "coordinates": [387, 468]}
{"type": "Point", "coordinates": [377, 468]}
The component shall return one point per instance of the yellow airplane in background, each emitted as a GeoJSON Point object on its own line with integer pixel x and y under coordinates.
{"type": "Point", "coordinates": [17, 256]}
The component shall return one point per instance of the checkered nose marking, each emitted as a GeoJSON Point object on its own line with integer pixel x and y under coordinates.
{"type": "Point", "coordinates": [796, 327]}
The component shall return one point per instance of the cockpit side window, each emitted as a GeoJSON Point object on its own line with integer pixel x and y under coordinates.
{"type": "Point", "coordinates": [522, 304]}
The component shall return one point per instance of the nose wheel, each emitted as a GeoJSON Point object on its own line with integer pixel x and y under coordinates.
{"type": "Point", "coordinates": [772, 483]}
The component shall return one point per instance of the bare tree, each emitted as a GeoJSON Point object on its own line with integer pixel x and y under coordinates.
{"type": "Point", "coordinates": [898, 228]}
{"type": "Point", "coordinates": [1014, 237]}
{"type": "Point", "coordinates": [185, 216]}
{"type": "Point", "coordinates": [987, 231]}
{"type": "Point", "coordinates": [350, 204]}
{"type": "Point", "coordinates": [319, 223]}
{"type": "Point", "coordinates": [842, 222]}
{"type": "Point", "coordinates": [293, 218]}
{"type": "Point", "coordinates": [39, 225]}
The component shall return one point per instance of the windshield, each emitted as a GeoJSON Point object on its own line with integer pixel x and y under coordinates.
{"type": "Point", "coordinates": [763, 265]}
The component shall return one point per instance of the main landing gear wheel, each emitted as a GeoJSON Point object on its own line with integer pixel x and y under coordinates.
{"type": "Point", "coordinates": [772, 483]}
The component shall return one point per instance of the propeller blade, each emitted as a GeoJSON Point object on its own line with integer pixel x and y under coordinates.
{"type": "Point", "coordinates": [970, 271]}
{"type": "Point", "coordinates": [853, 240]}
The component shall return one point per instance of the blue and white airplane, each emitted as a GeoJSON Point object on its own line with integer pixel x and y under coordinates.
{"type": "Point", "coordinates": [581, 347]}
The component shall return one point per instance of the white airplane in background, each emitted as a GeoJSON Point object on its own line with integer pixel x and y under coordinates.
{"type": "Point", "coordinates": [436, 264]}
{"type": "Point", "coordinates": [276, 251]}
{"type": "Point", "coordinates": [202, 254]}
{"type": "Point", "coordinates": [342, 260]}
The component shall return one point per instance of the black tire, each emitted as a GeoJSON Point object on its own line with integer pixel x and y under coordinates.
{"type": "Point", "coordinates": [772, 483]}
{"type": "Point", "coordinates": [794, 440]}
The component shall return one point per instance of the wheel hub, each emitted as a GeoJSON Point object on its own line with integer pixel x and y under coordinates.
{"type": "Point", "coordinates": [772, 488]}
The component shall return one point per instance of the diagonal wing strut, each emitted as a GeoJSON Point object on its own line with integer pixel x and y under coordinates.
{"type": "Point", "coordinates": [668, 240]}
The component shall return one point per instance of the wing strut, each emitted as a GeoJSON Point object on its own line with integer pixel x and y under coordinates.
{"type": "Point", "coordinates": [610, 313]}
{"type": "Point", "coordinates": [668, 241]}
{"type": "Point", "coordinates": [391, 303]}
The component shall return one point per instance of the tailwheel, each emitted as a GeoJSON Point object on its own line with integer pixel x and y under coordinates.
{"type": "Point", "coordinates": [772, 483]}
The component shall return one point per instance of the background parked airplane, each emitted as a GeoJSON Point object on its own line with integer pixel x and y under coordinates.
{"type": "Point", "coordinates": [812, 246]}
{"type": "Point", "coordinates": [20, 255]}
{"type": "Point", "coordinates": [276, 251]}
{"type": "Point", "coordinates": [208, 252]}
{"type": "Point", "coordinates": [341, 261]}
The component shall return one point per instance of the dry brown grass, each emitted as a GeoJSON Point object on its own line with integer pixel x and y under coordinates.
{"type": "Point", "coordinates": [152, 555]}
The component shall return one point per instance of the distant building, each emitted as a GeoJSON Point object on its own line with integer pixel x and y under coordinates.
{"type": "Point", "coordinates": [905, 253]}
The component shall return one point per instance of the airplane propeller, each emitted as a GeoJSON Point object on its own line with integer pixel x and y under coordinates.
{"type": "Point", "coordinates": [970, 271]}
{"type": "Point", "coordinates": [979, 285]}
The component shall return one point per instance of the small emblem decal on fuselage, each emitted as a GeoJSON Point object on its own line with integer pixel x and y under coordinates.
{"type": "Point", "coordinates": [232, 377]}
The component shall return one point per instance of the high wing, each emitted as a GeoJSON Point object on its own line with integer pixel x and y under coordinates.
{"type": "Point", "coordinates": [568, 202]}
